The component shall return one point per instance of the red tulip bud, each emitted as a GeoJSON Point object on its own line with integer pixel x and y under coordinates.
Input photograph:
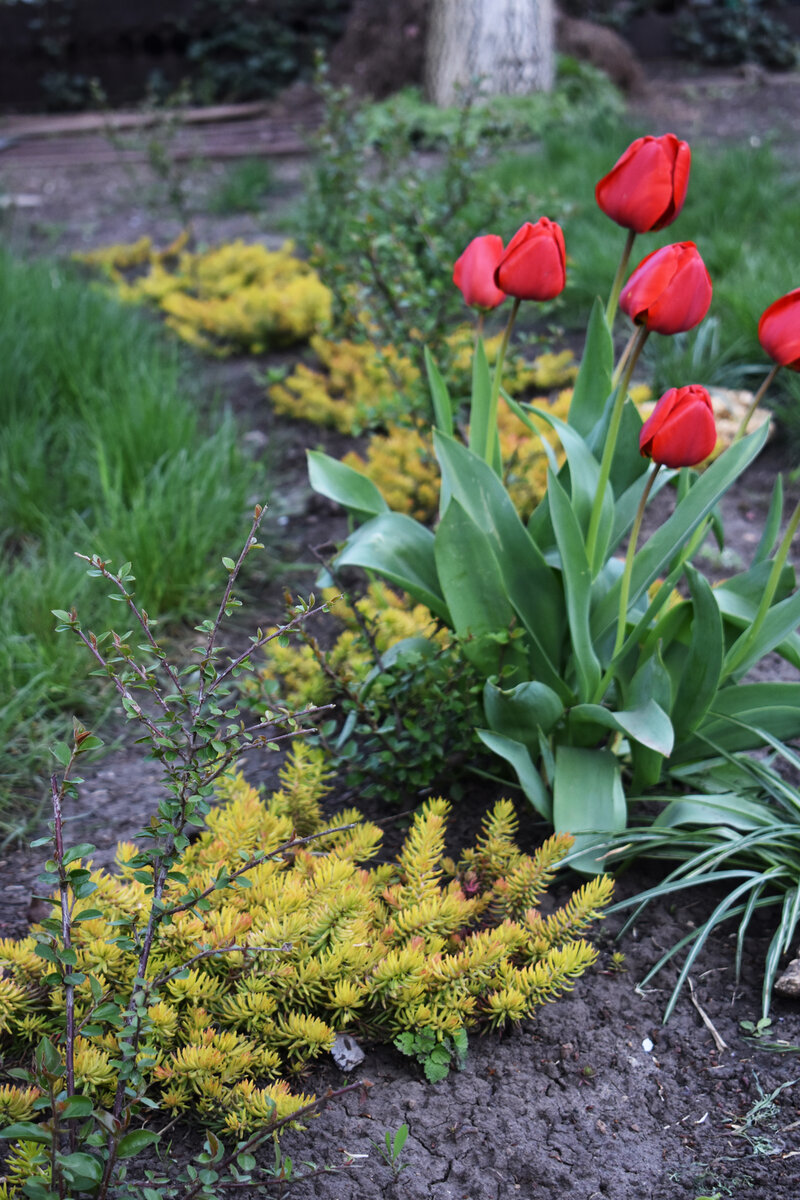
{"type": "Point", "coordinates": [646, 187]}
{"type": "Point", "coordinates": [534, 264]}
{"type": "Point", "coordinates": [680, 432]}
{"type": "Point", "coordinates": [670, 290]}
{"type": "Point", "coordinates": [474, 271]}
{"type": "Point", "coordinates": [779, 330]}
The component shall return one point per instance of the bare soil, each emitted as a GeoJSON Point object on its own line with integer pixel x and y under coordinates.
{"type": "Point", "coordinates": [595, 1098]}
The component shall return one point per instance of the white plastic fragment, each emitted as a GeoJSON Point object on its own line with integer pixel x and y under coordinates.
{"type": "Point", "coordinates": [647, 1045]}
{"type": "Point", "coordinates": [346, 1052]}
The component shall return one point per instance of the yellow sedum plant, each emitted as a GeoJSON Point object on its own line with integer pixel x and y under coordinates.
{"type": "Point", "coordinates": [238, 297]}
{"type": "Point", "coordinates": [359, 385]}
{"type": "Point", "coordinates": [309, 676]}
{"type": "Point", "coordinates": [311, 942]}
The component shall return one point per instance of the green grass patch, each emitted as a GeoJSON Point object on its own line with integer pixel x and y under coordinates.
{"type": "Point", "coordinates": [243, 188]}
{"type": "Point", "coordinates": [104, 450]}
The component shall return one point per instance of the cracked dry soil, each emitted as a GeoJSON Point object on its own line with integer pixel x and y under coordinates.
{"type": "Point", "coordinates": [594, 1098]}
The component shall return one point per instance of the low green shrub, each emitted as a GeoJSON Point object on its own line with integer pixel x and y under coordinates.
{"type": "Point", "coordinates": [405, 697]}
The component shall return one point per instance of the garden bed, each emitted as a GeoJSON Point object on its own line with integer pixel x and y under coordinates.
{"type": "Point", "coordinates": [592, 1099]}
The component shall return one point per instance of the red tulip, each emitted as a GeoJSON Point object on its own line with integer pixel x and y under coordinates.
{"type": "Point", "coordinates": [534, 264]}
{"type": "Point", "coordinates": [670, 290]}
{"type": "Point", "coordinates": [779, 330]}
{"type": "Point", "coordinates": [680, 432]}
{"type": "Point", "coordinates": [474, 271]}
{"type": "Point", "coordinates": [646, 187]}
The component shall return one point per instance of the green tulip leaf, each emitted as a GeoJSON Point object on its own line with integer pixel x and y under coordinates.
{"type": "Point", "coordinates": [523, 712]}
{"type": "Point", "coordinates": [519, 411]}
{"type": "Point", "coordinates": [440, 397]}
{"type": "Point", "coordinates": [750, 647]}
{"type": "Point", "coordinates": [772, 524]}
{"type": "Point", "coordinates": [739, 599]}
{"type": "Point", "coordinates": [347, 487]}
{"type": "Point", "coordinates": [702, 667]}
{"type": "Point", "coordinates": [628, 463]}
{"type": "Point", "coordinates": [401, 550]}
{"type": "Point", "coordinates": [577, 587]}
{"type": "Point", "coordinates": [588, 802]}
{"type": "Point", "coordinates": [593, 385]}
{"type": "Point", "coordinates": [471, 581]}
{"type": "Point", "coordinates": [627, 505]}
{"type": "Point", "coordinates": [651, 682]}
{"type": "Point", "coordinates": [518, 757]}
{"type": "Point", "coordinates": [648, 725]}
{"type": "Point", "coordinates": [480, 408]}
{"type": "Point", "coordinates": [737, 716]}
{"type": "Point", "coordinates": [584, 472]}
{"type": "Point", "coordinates": [727, 809]}
{"type": "Point", "coordinates": [668, 539]}
{"type": "Point", "coordinates": [531, 585]}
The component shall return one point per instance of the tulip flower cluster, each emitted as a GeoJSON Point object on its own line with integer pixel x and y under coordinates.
{"type": "Point", "coordinates": [669, 292]}
{"type": "Point", "coordinates": [592, 675]}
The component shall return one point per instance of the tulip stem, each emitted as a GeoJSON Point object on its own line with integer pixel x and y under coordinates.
{"type": "Point", "coordinates": [619, 279]}
{"type": "Point", "coordinates": [623, 358]}
{"type": "Point", "coordinates": [759, 396]}
{"type": "Point", "coordinates": [479, 327]}
{"type": "Point", "coordinates": [611, 444]}
{"type": "Point", "coordinates": [625, 586]}
{"type": "Point", "coordinates": [491, 431]}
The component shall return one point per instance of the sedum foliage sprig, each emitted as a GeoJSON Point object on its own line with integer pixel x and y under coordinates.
{"type": "Point", "coordinates": [404, 693]}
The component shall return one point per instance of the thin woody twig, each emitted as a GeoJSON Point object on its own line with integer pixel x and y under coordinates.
{"type": "Point", "coordinates": [256, 862]}
{"type": "Point", "coordinates": [262, 1134]}
{"type": "Point", "coordinates": [719, 1042]}
{"type": "Point", "coordinates": [212, 952]}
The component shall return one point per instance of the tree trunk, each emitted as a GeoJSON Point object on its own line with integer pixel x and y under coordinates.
{"type": "Point", "coordinates": [488, 47]}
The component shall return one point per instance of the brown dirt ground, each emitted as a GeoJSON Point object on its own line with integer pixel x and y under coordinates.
{"type": "Point", "coordinates": [577, 1103]}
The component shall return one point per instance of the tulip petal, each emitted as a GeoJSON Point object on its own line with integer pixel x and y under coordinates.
{"type": "Point", "coordinates": [670, 291]}
{"type": "Point", "coordinates": [680, 183]}
{"type": "Point", "coordinates": [534, 264]}
{"type": "Point", "coordinates": [646, 187]}
{"type": "Point", "coordinates": [473, 273]}
{"type": "Point", "coordinates": [680, 432]}
{"type": "Point", "coordinates": [779, 330]}
{"type": "Point", "coordinates": [638, 190]}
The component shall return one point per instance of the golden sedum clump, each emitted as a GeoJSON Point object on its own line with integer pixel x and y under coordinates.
{"type": "Point", "coordinates": [296, 671]}
{"type": "Point", "coordinates": [323, 942]}
{"type": "Point", "coordinates": [235, 297]}
{"type": "Point", "coordinates": [360, 385]}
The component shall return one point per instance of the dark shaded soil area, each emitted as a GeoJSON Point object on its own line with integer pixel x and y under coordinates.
{"type": "Point", "coordinates": [594, 1098]}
